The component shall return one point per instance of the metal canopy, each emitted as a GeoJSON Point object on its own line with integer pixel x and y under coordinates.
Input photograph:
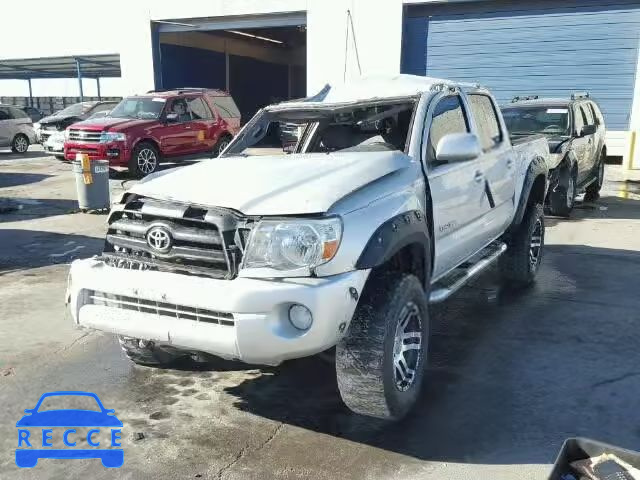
{"type": "Point", "coordinates": [91, 66]}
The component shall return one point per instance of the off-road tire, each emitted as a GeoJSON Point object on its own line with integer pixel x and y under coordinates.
{"type": "Point", "coordinates": [149, 355]}
{"type": "Point", "coordinates": [222, 143]}
{"type": "Point", "coordinates": [592, 192]}
{"type": "Point", "coordinates": [562, 199]}
{"type": "Point", "coordinates": [517, 268]}
{"type": "Point", "coordinates": [20, 143]}
{"type": "Point", "coordinates": [365, 356]}
{"type": "Point", "coordinates": [137, 164]}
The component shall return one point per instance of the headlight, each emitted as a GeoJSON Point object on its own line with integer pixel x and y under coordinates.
{"type": "Point", "coordinates": [66, 134]}
{"type": "Point", "coordinates": [290, 245]}
{"type": "Point", "coordinates": [112, 137]}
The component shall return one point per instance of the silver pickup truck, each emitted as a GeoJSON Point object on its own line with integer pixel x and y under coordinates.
{"type": "Point", "coordinates": [398, 191]}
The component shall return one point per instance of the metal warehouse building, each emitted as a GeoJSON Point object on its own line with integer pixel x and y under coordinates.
{"type": "Point", "coordinates": [266, 50]}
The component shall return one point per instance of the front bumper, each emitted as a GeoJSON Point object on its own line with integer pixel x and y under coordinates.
{"type": "Point", "coordinates": [117, 153]}
{"type": "Point", "coordinates": [259, 332]}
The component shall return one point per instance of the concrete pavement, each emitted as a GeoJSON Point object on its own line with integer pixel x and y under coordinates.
{"type": "Point", "coordinates": [511, 374]}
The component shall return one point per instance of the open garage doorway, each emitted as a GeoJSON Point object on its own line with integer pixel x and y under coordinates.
{"type": "Point", "coordinates": [259, 61]}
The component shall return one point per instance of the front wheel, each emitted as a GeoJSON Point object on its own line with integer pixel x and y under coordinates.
{"type": "Point", "coordinates": [381, 362]}
{"type": "Point", "coordinates": [520, 263]}
{"type": "Point", "coordinates": [145, 160]}
{"type": "Point", "coordinates": [562, 199]}
{"type": "Point", "coordinates": [20, 144]}
{"type": "Point", "coordinates": [223, 143]}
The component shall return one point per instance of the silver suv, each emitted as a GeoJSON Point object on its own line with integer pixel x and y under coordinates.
{"type": "Point", "coordinates": [16, 129]}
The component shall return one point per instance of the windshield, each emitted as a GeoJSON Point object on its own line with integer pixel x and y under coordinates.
{"type": "Point", "coordinates": [539, 119]}
{"type": "Point", "coordinates": [139, 107]}
{"type": "Point", "coordinates": [326, 129]}
{"type": "Point", "coordinates": [77, 108]}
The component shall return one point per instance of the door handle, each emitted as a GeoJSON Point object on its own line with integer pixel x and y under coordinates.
{"type": "Point", "coordinates": [478, 177]}
{"type": "Point", "coordinates": [187, 127]}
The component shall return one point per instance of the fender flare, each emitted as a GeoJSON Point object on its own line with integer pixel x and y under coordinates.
{"type": "Point", "coordinates": [392, 236]}
{"type": "Point", "coordinates": [537, 167]}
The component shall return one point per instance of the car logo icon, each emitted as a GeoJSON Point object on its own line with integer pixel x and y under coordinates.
{"type": "Point", "coordinates": [41, 422]}
{"type": "Point", "coordinates": [159, 239]}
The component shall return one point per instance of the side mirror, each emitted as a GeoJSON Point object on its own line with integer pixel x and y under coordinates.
{"type": "Point", "coordinates": [588, 130]}
{"type": "Point", "coordinates": [458, 147]}
{"type": "Point", "coordinates": [171, 117]}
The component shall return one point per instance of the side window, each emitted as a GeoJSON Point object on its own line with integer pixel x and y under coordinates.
{"type": "Point", "coordinates": [484, 112]}
{"type": "Point", "coordinates": [586, 115]}
{"type": "Point", "coordinates": [102, 107]}
{"type": "Point", "coordinates": [179, 107]}
{"type": "Point", "coordinates": [595, 112]}
{"type": "Point", "coordinates": [226, 107]}
{"type": "Point", "coordinates": [448, 117]}
{"type": "Point", "coordinates": [17, 113]}
{"type": "Point", "coordinates": [4, 114]}
{"type": "Point", "coordinates": [199, 110]}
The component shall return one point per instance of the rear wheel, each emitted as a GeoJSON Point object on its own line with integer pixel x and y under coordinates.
{"type": "Point", "coordinates": [593, 191]}
{"type": "Point", "coordinates": [520, 263]}
{"type": "Point", "coordinates": [147, 353]}
{"type": "Point", "coordinates": [381, 362]}
{"type": "Point", "coordinates": [145, 160]}
{"type": "Point", "coordinates": [223, 143]}
{"type": "Point", "coordinates": [20, 143]}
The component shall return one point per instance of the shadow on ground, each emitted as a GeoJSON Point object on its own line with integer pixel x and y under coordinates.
{"type": "Point", "coordinates": [511, 374]}
{"type": "Point", "coordinates": [23, 249]}
{"type": "Point", "coordinates": [606, 207]}
{"type": "Point", "coordinates": [15, 179]}
{"type": "Point", "coordinates": [30, 154]}
{"type": "Point", "coordinates": [17, 209]}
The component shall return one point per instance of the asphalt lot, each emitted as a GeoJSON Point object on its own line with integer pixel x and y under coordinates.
{"type": "Point", "coordinates": [511, 374]}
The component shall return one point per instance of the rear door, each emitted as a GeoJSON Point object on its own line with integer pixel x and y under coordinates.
{"type": "Point", "coordinates": [203, 124]}
{"type": "Point", "coordinates": [498, 164]}
{"type": "Point", "coordinates": [177, 138]}
{"type": "Point", "coordinates": [7, 127]}
{"type": "Point", "coordinates": [457, 188]}
{"type": "Point", "coordinates": [228, 112]}
{"type": "Point", "coordinates": [580, 145]}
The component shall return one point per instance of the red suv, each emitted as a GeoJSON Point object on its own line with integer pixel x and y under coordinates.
{"type": "Point", "coordinates": [143, 130]}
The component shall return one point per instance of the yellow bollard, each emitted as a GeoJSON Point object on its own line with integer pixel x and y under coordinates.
{"type": "Point", "coordinates": [83, 158]}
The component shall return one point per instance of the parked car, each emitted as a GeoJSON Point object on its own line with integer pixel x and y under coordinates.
{"type": "Point", "coordinates": [143, 130]}
{"type": "Point", "coordinates": [34, 113]}
{"type": "Point", "coordinates": [576, 133]}
{"type": "Point", "coordinates": [16, 129]}
{"type": "Point", "coordinates": [400, 190]}
{"type": "Point", "coordinates": [77, 112]}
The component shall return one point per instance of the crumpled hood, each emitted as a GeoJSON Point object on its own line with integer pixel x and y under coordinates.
{"type": "Point", "coordinates": [112, 124]}
{"type": "Point", "coordinates": [273, 185]}
{"type": "Point", "coordinates": [556, 143]}
{"type": "Point", "coordinates": [55, 119]}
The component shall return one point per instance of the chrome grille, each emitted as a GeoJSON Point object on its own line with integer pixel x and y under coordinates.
{"type": "Point", "coordinates": [163, 309]}
{"type": "Point", "coordinates": [89, 136]}
{"type": "Point", "coordinates": [198, 241]}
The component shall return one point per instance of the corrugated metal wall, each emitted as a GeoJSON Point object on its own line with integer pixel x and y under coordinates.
{"type": "Point", "coordinates": [550, 48]}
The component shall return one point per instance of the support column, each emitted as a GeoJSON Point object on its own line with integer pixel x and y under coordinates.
{"type": "Point", "coordinates": [30, 93]}
{"type": "Point", "coordinates": [80, 79]}
{"type": "Point", "coordinates": [98, 85]}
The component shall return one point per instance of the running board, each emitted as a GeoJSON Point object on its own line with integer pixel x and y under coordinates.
{"type": "Point", "coordinates": [453, 281]}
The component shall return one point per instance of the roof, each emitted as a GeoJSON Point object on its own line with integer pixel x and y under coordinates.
{"type": "Point", "coordinates": [91, 66]}
{"type": "Point", "coordinates": [372, 88]}
{"type": "Point", "coordinates": [183, 91]}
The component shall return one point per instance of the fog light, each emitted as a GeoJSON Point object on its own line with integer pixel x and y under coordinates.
{"type": "Point", "coordinates": [300, 317]}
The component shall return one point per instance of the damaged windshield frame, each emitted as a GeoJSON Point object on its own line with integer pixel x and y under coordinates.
{"type": "Point", "coordinates": [316, 119]}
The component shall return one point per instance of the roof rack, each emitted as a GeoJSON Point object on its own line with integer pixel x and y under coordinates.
{"type": "Point", "coordinates": [524, 99]}
{"type": "Point", "coordinates": [183, 89]}
{"type": "Point", "coordinates": [578, 95]}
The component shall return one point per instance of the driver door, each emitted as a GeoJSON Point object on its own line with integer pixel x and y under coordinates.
{"type": "Point", "coordinates": [580, 143]}
{"type": "Point", "coordinates": [177, 137]}
{"type": "Point", "coordinates": [457, 189]}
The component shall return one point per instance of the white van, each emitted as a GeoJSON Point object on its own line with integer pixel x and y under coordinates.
{"type": "Point", "coordinates": [16, 129]}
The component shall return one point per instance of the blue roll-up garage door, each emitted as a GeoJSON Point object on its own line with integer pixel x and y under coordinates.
{"type": "Point", "coordinates": [548, 48]}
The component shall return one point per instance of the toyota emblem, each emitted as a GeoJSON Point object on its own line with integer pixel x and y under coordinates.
{"type": "Point", "coordinates": [159, 239]}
